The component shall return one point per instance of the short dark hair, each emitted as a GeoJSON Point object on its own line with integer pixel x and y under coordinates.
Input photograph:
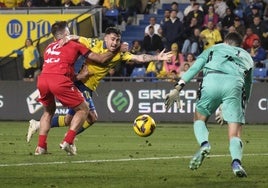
{"type": "Point", "coordinates": [58, 27]}
{"type": "Point", "coordinates": [233, 39]}
{"type": "Point", "coordinates": [114, 30]}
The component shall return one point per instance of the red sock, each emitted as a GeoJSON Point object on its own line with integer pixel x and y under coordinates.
{"type": "Point", "coordinates": [69, 138]}
{"type": "Point", "coordinates": [42, 141]}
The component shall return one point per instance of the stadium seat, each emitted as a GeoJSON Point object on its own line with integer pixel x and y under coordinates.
{"type": "Point", "coordinates": [138, 74]}
{"type": "Point", "coordinates": [113, 14]}
{"type": "Point", "coordinates": [260, 73]}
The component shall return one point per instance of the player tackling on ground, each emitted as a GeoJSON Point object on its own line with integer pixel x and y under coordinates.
{"type": "Point", "coordinates": [227, 70]}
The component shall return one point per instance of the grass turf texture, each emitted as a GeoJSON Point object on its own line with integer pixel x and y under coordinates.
{"type": "Point", "coordinates": [112, 155]}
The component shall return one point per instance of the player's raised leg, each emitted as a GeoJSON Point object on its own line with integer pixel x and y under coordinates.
{"type": "Point", "coordinates": [201, 134]}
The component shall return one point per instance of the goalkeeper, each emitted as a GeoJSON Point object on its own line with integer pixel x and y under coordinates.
{"type": "Point", "coordinates": [227, 80]}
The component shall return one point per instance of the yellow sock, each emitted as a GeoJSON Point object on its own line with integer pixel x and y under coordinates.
{"type": "Point", "coordinates": [61, 121]}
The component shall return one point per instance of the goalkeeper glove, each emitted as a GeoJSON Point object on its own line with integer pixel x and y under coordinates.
{"type": "Point", "coordinates": [174, 95]}
{"type": "Point", "coordinates": [218, 116]}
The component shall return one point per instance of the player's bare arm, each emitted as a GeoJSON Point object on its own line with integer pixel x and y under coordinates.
{"type": "Point", "coordinates": [101, 58]}
{"type": "Point", "coordinates": [84, 73]}
{"type": "Point", "coordinates": [147, 58]}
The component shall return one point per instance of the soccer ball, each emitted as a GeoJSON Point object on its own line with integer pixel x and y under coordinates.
{"type": "Point", "coordinates": [144, 125]}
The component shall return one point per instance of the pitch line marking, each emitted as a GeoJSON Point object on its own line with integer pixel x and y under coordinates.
{"type": "Point", "coordinates": [120, 160]}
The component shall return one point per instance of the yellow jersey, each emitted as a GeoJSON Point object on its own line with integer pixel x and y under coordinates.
{"type": "Point", "coordinates": [212, 37]}
{"type": "Point", "coordinates": [100, 70]}
{"type": "Point", "coordinates": [11, 3]}
{"type": "Point", "coordinates": [30, 55]}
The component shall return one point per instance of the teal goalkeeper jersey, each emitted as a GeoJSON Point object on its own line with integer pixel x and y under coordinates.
{"type": "Point", "coordinates": [225, 59]}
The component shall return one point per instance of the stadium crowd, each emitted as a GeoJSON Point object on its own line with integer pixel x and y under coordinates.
{"type": "Point", "coordinates": [186, 33]}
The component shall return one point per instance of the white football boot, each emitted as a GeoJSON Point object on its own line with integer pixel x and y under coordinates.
{"type": "Point", "coordinates": [33, 128]}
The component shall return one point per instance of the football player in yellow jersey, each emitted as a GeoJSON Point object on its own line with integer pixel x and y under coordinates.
{"type": "Point", "coordinates": [96, 72]}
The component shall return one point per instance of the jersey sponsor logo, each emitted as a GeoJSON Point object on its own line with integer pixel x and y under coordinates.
{"type": "Point", "coordinates": [121, 101]}
{"type": "Point", "coordinates": [52, 51]}
{"type": "Point", "coordinates": [14, 28]}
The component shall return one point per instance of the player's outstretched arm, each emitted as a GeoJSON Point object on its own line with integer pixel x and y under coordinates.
{"type": "Point", "coordinates": [147, 58]}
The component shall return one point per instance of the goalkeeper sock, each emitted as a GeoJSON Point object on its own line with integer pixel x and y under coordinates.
{"type": "Point", "coordinates": [201, 132]}
{"type": "Point", "coordinates": [58, 121]}
{"type": "Point", "coordinates": [236, 148]}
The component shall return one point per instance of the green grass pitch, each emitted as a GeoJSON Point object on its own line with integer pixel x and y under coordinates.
{"type": "Point", "coordinates": [112, 155]}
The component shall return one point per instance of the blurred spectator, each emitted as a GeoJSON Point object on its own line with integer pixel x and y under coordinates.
{"type": "Point", "coordinates": [210, 36]}
{"type": "Point", "coordinates": [249, 38]}
{"type": "Point", "coordinates": [30, 60]}
{"type": "Point", "coordinates": [11, 3]}
{"type": "Point", "coordinates": [253, 4]}
{"type": "Point", "coordinates": [160, 34]}
{"type": "Point", "coordinates": [231, 4]}
{"type": "Point", "coordinates": [219, 28]}
{"type": "Point", "coordinates": [166, 17]}
{"type": "Point", "coordinates": [83, 3]}
{"type": "Point", "coordinates": [156, 69]}
{"type": "Point", "coordinates": [232, 29]}
{"type": "Point", "coordinates": [152, 43]}
{"type": "Point", "coordinates": [190, 7]}
{"type": "Point", "coordinates": [249, 18]}
{"type": "Point", "coordinates": [189, 29]}
{"type": "Point", "coordinates": [228, 19]}
{"type": "Point", "coordinates": [128, 9]}
{"type": "Point", "coordinates": [185, 68]}
{"type": "Point", "coordinates": [135, 49]}
{"type": "Point", "coordinates": [152, 22]}
{"type": "Point", "coordinates": [49, 3]}
{"type": "Point", "coordinates": [67, 3]}
{"type": "Point", "coordinates": [143, 6]}
{"type": "Point", "coordinates": [173, 30]}
{"type": "Point", "coordinates": [193, 44]}
{"type": "Point", "coordinates": [239, 26]}
{"type": "Point", "coordinates": [195, 13]}
{"type": "Point", "coordinates": [173, 66]}
{"type": "Point", "coordinates": [258, 53]}
{"type": "Point", "coordinates": [220, 8]}
{"type": "Point", "coordinates": [190, 59]}
{"type": "Point", "coordinates": [260, 28]}
{"type": "Point", "coordinates": [29, 4]}
{"type": "Point", "coordinates": [111, 4]}
{"type": "Point", "coordinates": [210, 16]}
{"type": "Point", "coordinates": [206, 4]}
{"type": "Point", "coordinates": [175, 6]}
{"type": "Point", "coordinates": [151, 7]}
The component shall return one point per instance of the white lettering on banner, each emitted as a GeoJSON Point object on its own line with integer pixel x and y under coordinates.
{"type": "Point", "coordinates": [1, 101]}
{"type": "Point", "coordinates": [188, 98]}
{"type": "Point", "coordinates": [152, 94]}
{"type": "Point", "coordinates": [263, 104]}
{"type": "Point", "coordinates": [61, 111]}
{"type": "Point", "coordinates": [146, 107]}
